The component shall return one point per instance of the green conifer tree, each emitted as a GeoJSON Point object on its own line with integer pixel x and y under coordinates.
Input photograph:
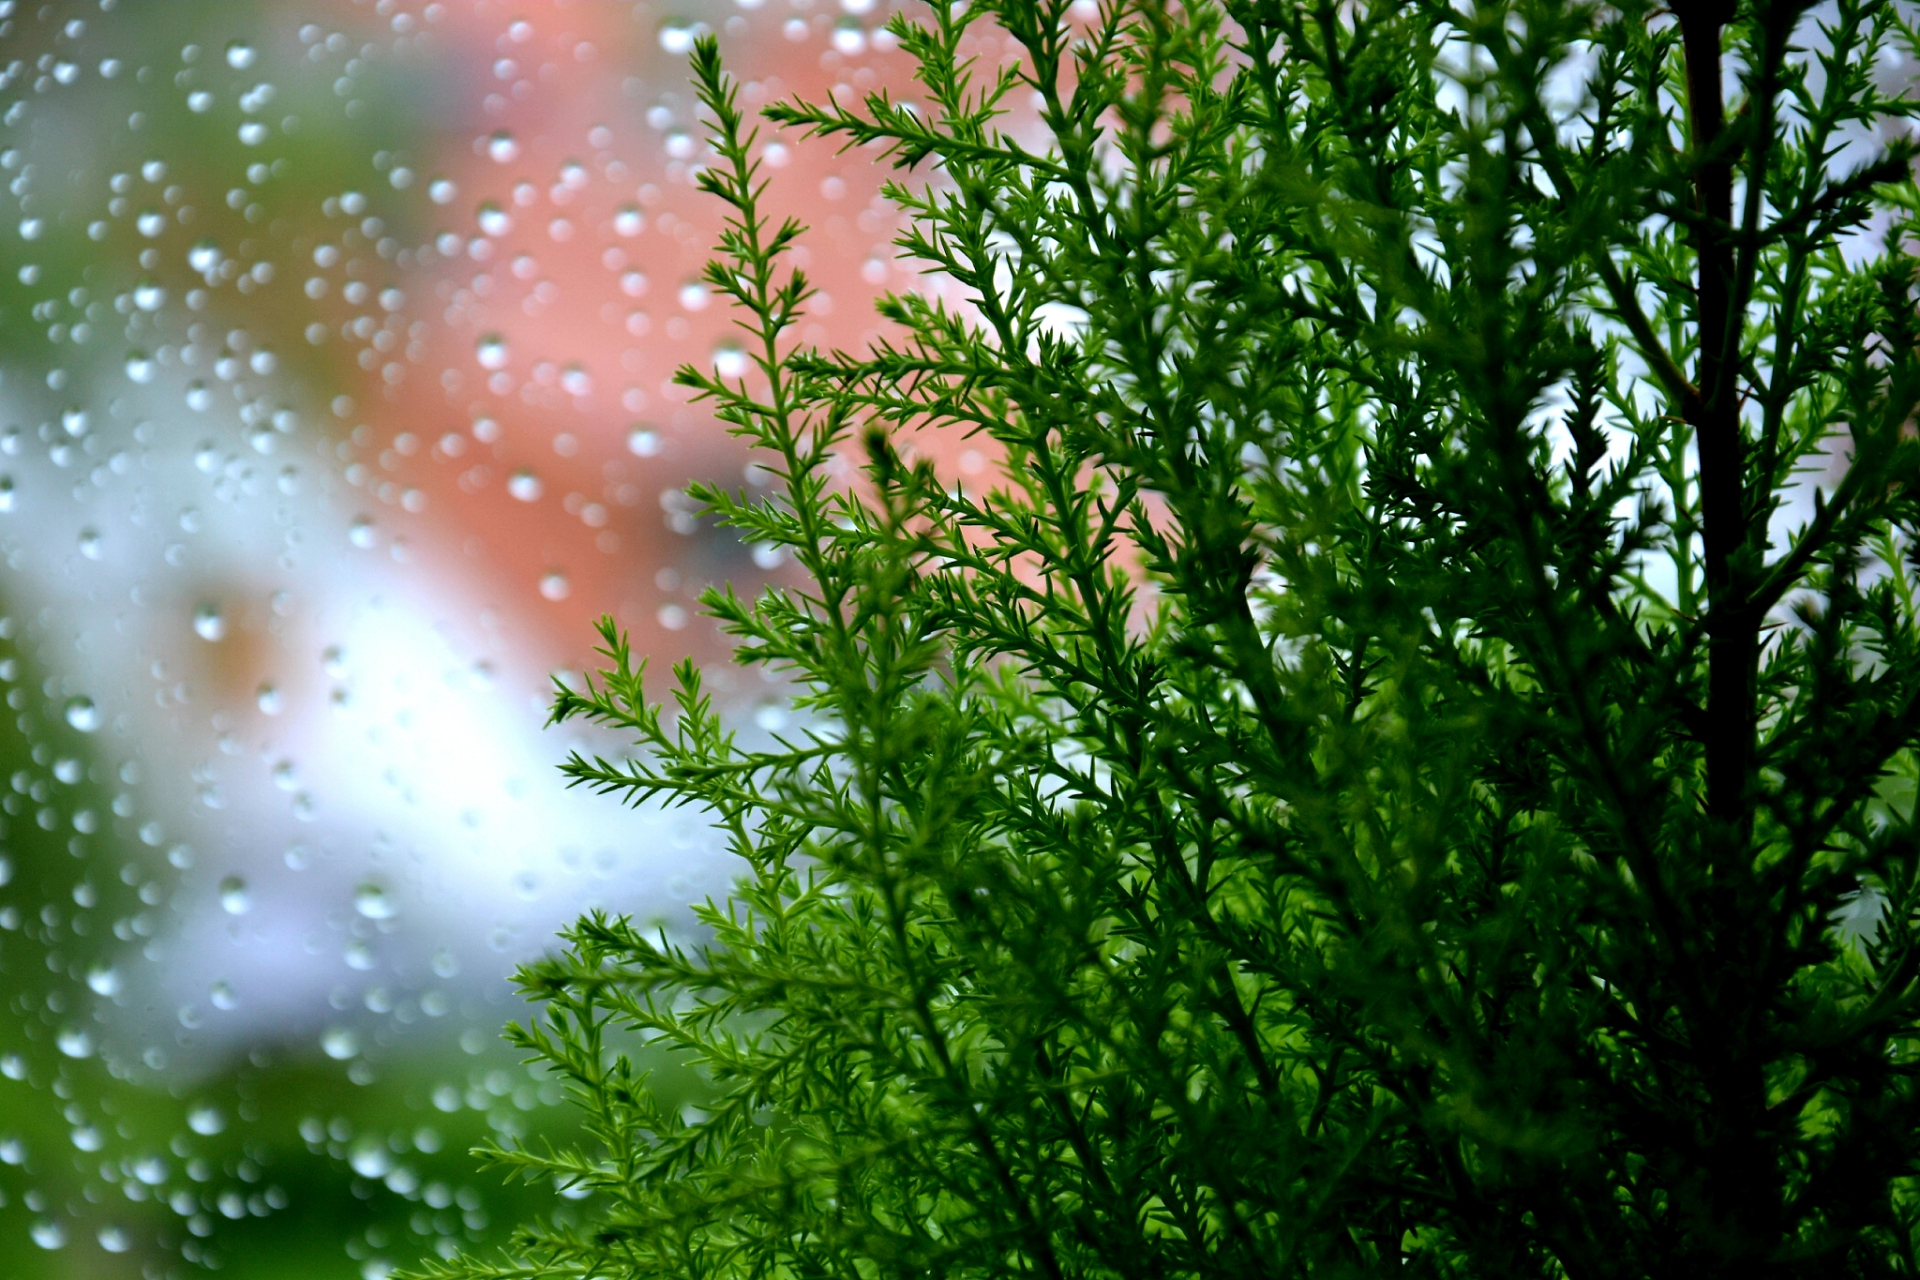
{"type": "Point", "coordinates": [1408, 767]}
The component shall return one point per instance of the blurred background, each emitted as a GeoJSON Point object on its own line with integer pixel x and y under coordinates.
{"type": "Point", "coordinates": [335, 404]}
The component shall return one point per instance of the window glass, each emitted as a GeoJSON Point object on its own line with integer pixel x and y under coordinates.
{"type": "Point", "coordinates": [335, 404]}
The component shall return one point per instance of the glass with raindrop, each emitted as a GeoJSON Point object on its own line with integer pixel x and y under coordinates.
{"type": "Point", "coordinates": [336, 403]}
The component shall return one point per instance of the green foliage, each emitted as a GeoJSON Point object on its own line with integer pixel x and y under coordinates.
{"type": "Point", "coordinates": [1408, 769]}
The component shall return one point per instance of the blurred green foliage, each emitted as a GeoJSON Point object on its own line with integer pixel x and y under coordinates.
{"type": "Point", "coordinates": [85, 253]}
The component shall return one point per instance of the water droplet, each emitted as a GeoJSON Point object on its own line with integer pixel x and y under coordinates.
{"type": "Point", "coordinates": [30, 228]}
{"type": "Point", "coordinates": [206, 1120]}
{"type": "Point", "coordinates": [74, 419]}
{"type": "Point", "coordinates": [149, 296]}
{"type": "Point", "coordinates": [525, 485]}
{"type": "Point", "coordinates": [339, 1043]}
{"type": "Point", "coordinates": [82, 714]}
{"type": "Point", "coordinates": [204, 256]}
{"type": "Point", "coordinates": [502, 147]}
{"type": "Point", "coordinates": [492, 351]}
{"type": "Point", "coordinates": [104, 979]}
{"type": "Point", "coordinates": [729, 361]}
{"type": "Point", "coordinates": [48, 1234]}
{"type": "Point", "coordinates": [494, 221]}
{"type": "Point", "coordinates": [68, 770]}
{"type": "Point", "coordinates": [643, 442]}
{"type": "Point", "coordinates": [90, 544]}
{"type": "Point", "coordinates": [629, 221]}
{"type": "Point", "coordinates": [139, 366]}
{"type": "Point", "coordinates": [199, 399]}
{"type": "Point", "coordinates": [234, 899]}
{"type": "Point", "coordinates": [374, 902]}
{"type": "Point", "coordinates": [361, 533]}
{"type": "Point", "coordinates": [115, 1239]}
{"type": "Point", "coordinates": [575, 381]}
{"type": "Point", "coordinates": [268, 699]}
{"type": "Point", "coordinates": [677, 38]}
{"type": "Point", "coordinates": [633, 283]}
{"type": "Point", "coordinates": [199, 101]}
{"type": "Point", "coordinates": [209, 622]}
{"type": "Point", "coordinates": [221, 994]}
{"type": "Point", "coordinates": [442, 191]}
{"type": "Point", "coordinates": [554, 585]}
{"type": "Point", "coordinates": [849, 37]}
{"type": "Point", "coordinates": [75, 1043]}
{"type": "Point", "coordinates": [693, 295]}
{"type": "Point", "coordinates": [150, 223]}
{"type": "Point", "coordinates": [150, 1170]}
{"type": "Point", "coordinates": [252, 133]}
{"type": "Point", "coordinates": [12, 1150]}
{"type": "Point", "coordinates": [239, 55]}
{"type": "Point", "coordinates": [370, 1161]}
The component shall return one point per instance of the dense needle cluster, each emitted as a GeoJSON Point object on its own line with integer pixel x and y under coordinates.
{"type": "Point", "coordinates": [1408, 768]}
